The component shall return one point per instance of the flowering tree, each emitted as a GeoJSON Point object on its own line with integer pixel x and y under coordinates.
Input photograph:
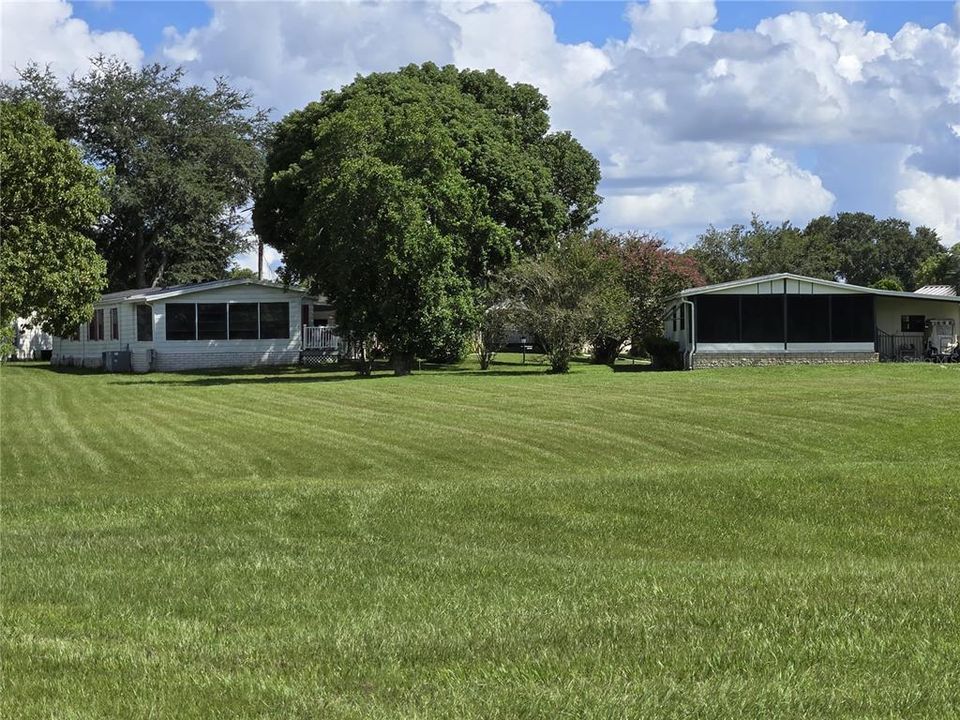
{"type": "Point", "coordinates": [650, 272]}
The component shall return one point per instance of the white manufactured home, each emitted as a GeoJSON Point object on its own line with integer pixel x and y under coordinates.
{"type": "Point", "coordinates": [30, 341]}
{"type": "Point", "coordinates": [786, 318]}
{"type": "Point", "coordinates": [224, 323]}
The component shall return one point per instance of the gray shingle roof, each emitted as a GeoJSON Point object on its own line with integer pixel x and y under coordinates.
{"type": "Point", "coordinates": [174, 290]}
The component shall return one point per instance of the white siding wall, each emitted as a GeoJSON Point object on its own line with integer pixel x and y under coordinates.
{"type": "Point", "coordinates": [188, 354]}
{"type": "Point", "coordinates": [794, 287]}
{"type": "Point", "coordinates": [89, 353]}
{"type": "Point", "coordinates": [29, 339]}
{"type": "Point", "coordinates": [890, 309]}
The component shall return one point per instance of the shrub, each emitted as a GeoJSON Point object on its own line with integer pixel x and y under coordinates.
{"type": "Point", "coordinates": [664, 353]}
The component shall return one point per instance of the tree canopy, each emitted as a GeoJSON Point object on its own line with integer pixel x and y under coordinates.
{"type": "Point", "coordinates": [649, 272]}
{"type": "Point", "coordinates": [941, 269]}
{"type": "Point", "coordinates": [403, 193]}
{"type": "Point", "coordinates": [855, 247]}
{"type": "Point", "coordinates": [569, 296]}
{"type": "Point", "coordinates": [184, 161]}
{"type": "Point", "coordinates": [50, 202]}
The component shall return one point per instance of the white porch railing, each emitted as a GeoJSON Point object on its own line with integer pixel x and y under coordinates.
{"type": "Point", "coordinates": [323, 337]}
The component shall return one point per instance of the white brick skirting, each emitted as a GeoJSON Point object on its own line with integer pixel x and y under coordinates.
{"type": "Point", "coordinates": [167, 361]}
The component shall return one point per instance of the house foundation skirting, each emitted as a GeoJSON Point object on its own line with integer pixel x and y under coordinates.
{"type": "Point", "coordinates": [719, 360]}
{"type": "Point", "coordinates": [170, 361]}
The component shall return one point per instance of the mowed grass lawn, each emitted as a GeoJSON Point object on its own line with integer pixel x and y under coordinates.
{"type": "Point", "coordinates": [779, 542]}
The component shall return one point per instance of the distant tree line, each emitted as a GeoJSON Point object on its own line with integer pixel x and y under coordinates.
{"type": "Point", "coordinates": [432, 206]}
{"type": "Point", "coordinates": [857, 248]}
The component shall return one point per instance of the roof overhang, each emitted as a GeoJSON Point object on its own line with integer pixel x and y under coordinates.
{"type": "Point", "coordinates": [148, 295]}
{"type": "Point", "coordinates": [846, 287]}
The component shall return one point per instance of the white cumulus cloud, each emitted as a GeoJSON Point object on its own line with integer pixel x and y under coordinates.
{"type": "Point", "coordinates": [691, 124]}
{"type": "Point", "coordinates": [46, 32]}
{"type": "Point", "coordinates": [932, 201]}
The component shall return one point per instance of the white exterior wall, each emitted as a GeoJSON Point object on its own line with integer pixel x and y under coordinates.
{"type": "Point", "coordinates": [168, 355]}
{"type": "Point", "coordinates": [890, 309]}
{"type": "Point", "coordinates": [29, 339]}
{"type": "Point", "coordinates": [89, 353]}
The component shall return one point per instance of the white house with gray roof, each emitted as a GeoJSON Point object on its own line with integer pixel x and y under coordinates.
{"type": "Point", "coordinates": [787, 318]}
{"type": "Point", "coordinates": [224, 323]}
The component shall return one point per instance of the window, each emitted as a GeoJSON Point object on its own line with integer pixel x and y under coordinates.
{"type": "Point", "coordinates": [181, 321]}
{"type": "Point", "coordinates": [718, 318]}
{"type": "Point", "coordinates": [682, 317]}
{"type": "Point", "coordinates": [912, 323]}
{"type": "Point", "coordinates": [95, 330]}
{"type": "Point", "coordinates": [114, 324]}
{"type": "Point", "coordinates": [243, 321]}
{"type": "Point", "coordinates": [144, 323]}
{"type": "Point", "coordinates": [212, 321]}
{"type": "Point", "coordinates": [674, 318]}
{"type": "Point", "coordinates": [761, 318]}
{"type": "Point", "coordinates": [852, 318]}
{"type": "Point", "coordinates": [808, 318]}
{"type": "Point", "coordinates": [274, 320]}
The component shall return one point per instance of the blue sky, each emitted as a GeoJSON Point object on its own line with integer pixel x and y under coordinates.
{"type": "Point", "coordinates": [576, 21]}
{"type": "Point", "coordinates": [699, 112]}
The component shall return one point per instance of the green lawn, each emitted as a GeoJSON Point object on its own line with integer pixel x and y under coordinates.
{"type": "Point", "coordinates": [779, 542]}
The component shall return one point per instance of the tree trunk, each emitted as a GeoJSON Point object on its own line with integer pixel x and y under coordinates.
{"type": "Point", "coordinates": [559, 362]}
{"type": "Point", "coordinates": [402, 363]}
{"type": "Point", "coordinates": [365, 363]}
{"type": "Point", "coordinates": [140, 262]}
{"type": "Point", "coordinates": [159, 276]}
{"type": "Point", "coordinates": [606, 350]}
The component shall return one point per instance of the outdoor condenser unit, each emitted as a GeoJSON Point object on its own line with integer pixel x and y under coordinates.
{"type": "Point", "coordinates": [117, 361]}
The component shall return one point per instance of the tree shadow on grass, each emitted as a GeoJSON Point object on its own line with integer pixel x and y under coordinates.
{"type": "Point", "coordinates": [214, 377]}
{"type": "Point", "coordinates": [44, 366]}
{"type": "Point", "coordinates": [301, 375]}
{"type": "Point", "coordinates": [637, 367]}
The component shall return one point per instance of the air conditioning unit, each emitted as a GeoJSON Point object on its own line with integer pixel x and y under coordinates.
{"type": "Point", "coordinates": [117, 361]}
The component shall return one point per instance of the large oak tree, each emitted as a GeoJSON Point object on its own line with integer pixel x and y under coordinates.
{"type": "Point", "coordinates": [401, 194]}
{"type": "Point", "coordinates": [184, 161]}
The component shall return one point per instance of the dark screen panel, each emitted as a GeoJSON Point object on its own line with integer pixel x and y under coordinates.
{"type": "Point", "coordinates": [852, 318]}
{"type": "Point", "coordinates": [718, 318]}
{"type": "Point", "coordinates": [808, 318]}
{"type": "Point", "coordinates": [144, 322]}
{"type": "Point", "coordinates": [212, 321]}
{"type": "Point", "coordinates": [274, 320]}
{"type": "Point", "coordinates": [762, 318]}
{"type": "Point", "coordinates": [181, 321]}
{"type": "Point", "coordinates": [244, 321]}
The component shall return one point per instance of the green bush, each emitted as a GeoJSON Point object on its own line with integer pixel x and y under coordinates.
{"type": "Point", "coordinates": [664, 353]}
